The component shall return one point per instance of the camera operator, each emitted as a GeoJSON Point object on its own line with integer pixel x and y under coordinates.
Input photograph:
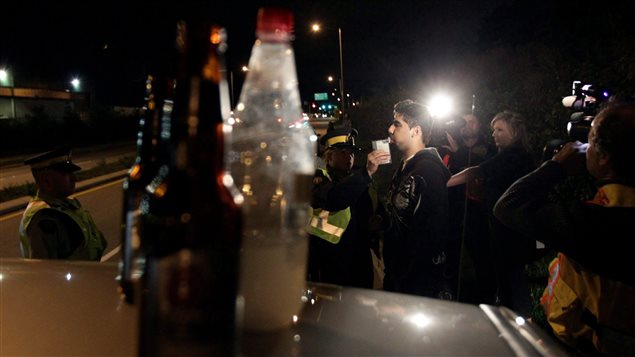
{"type": "Point", "coordinates": [589, 298]}
{"type": "Point", "coordinates": [468, 215]}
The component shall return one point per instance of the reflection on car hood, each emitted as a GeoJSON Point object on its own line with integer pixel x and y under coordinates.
{"type": "Point", "coordinates": [63, 308]}
{"type": "Point", "coordinates": [72, 308]}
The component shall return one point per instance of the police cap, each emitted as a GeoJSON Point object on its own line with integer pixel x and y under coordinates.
{"type": "Point", "coordinates": [339, 138]}
{"type": "Point", "coordinates": [58, 159]}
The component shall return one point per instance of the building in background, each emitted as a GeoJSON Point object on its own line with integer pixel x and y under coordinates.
{"type": "Point", "coordinates": [19, 102]}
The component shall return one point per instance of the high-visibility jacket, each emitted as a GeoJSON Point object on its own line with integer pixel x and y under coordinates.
{"type": "Point", "coordinates": [581, 305]}
{"type": "Point", "coordinates": [329, 225]}
{"type": "Point", "coordinates": [94, 242]}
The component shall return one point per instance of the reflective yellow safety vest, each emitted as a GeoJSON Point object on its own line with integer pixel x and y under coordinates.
{"type": "Point", "coordinates": [94, 241]}
{"type": "Point", "coordinates": [329, 225]}
{"type": "Point", "coordinates": [581, 305]}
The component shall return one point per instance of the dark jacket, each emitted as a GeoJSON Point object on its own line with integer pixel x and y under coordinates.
{"type": "Point", "coordinates": [349, 261]}
{"type": "Point", "coordinates": [599, 238]}
{"type": "Point", "coordinates": [500, 171]}
{"type": "Point", "coordinates": [418, 209]}
{"type": "Point", "coordinates": [589, 299]}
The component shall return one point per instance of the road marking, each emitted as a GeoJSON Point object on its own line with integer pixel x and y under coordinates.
{"type": "Point", "coordinates": [9, 216]}
{"type": "Point", "coordinates": [97, 188]}
{"type": "Point", "coordinates": [111, 253]}
{"type": "Point", "coordinates": [19, 213]}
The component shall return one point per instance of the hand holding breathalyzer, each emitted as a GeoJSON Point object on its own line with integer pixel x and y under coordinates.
{"type": "Point", "coordinates": [376, 158]}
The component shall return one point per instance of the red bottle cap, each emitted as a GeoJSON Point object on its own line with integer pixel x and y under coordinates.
{"type": "Point", "coordinates": [274, 21]}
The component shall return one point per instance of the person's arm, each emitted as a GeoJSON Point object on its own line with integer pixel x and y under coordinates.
{"type": "Point", "coordinates": [335, 196]}
{"type": "Point", "coordinates": [429, 223]}
{"type": "Point", "coordinates": [452, 146]}
{"type": "Point", "coordinates": [46, 234]}
{"type": "Point", "coordinates": [464, 176]}
{"type": "Point", "coordinates": [518, 206]}
{"type": "Point", "coordinates": [376, 158]}
{"type": "Point", "coordinates": [521, 202]}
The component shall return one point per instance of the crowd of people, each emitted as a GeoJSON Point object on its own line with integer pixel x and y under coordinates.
{"type": "Point", "coordinates": [492, 200]}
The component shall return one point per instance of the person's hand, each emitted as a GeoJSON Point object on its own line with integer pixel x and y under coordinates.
{"type": "Point", "coordinates": [375, 159]}
{"type": "Point", "coordinates": [572, 157]}
{"type": "Point", "coordinates": [453, 146]}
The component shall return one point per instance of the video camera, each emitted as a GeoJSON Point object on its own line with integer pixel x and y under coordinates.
{"type": "Point", "coordinates": [451, 125]}
{"type": "Point", "coordinates": [586, 99]}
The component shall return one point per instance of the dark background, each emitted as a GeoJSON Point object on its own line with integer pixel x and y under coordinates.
{"type": "Point", "coordinates": [510, 54]}
{"type": "Point", "coordinates": [109, 45]}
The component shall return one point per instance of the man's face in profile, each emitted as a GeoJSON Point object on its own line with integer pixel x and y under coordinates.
{"type": "Point", "coordinates": [58, 183]}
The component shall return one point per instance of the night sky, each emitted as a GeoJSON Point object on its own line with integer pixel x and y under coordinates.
{"type": "Point", "coordinates": [110, 44]}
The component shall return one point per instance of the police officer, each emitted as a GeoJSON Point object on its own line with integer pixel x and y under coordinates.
{"type": "Point", "coordinates": [343, 219]}
{"type": "Point", "coordinates": [54, 226]}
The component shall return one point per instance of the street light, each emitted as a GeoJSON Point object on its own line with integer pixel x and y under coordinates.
{"type": "Point", "coordinates": [315, 27]}
{"type": "Point", "coordinates": [7, 81]}
{"type": "Point", "coordinates": [4, 76]}
{"type": "Point", "coordinates": [75, 83]}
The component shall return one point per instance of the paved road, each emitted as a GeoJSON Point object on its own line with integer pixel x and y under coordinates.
{"type": "Point", "coordinates": [19, 174]}
{"type": "Point", "coordinates": [103, 202]}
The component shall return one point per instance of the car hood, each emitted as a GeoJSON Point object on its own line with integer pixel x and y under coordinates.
{"type": "Point", "coordinates": [73, 308]}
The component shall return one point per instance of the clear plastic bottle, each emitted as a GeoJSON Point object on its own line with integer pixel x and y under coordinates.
{"type": "Point", "coordinates": [272, 162]}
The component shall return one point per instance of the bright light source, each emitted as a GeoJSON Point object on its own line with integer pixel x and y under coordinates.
{"type": "Point", "coordinates": [68, 276]}
{"type": "Point", "coordinates": [330, 78]}
{"type": "Point", "coordinates": [244, 68]}
{"type": "Point", "coordinates": [228, 181]}
{"type": "Point", "coordinates": [440, 106]}
{"type": "Point", "coordinates": [75, 82]}
{"type": "Point", "coordinates": [315, 27]}
{"type": "Point", "coordinates": [420, 320]}
{"type": "Point", "coordinates": [520, 321]}
{"type": "Point", "coordinates": [3, 75]}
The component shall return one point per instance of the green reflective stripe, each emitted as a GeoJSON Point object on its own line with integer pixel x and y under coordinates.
{"type": "Point", "coordinates": [31, 209]}
{"type": "Point", "coordinates": [329, 225]}
{"type": "Point", "coordinates": [94, 241]}
{"type": "Point", "coordinates": [321, 223]}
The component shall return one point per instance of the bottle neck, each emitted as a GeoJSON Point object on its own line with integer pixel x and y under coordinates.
{"type": "Point", "coordinates": [197, 120]}
{"type": "Point", "coordinates": [148, 138]}
{"type": "Point", "coordinates": [197, 127]}
{"type": "Point", "coordinates": [274, 37]}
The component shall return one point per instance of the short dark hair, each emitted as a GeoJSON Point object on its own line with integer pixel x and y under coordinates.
{"type": "Point", "coordinates": [614, 133]}
{"type": "Point", "coordinates": [415, 114]}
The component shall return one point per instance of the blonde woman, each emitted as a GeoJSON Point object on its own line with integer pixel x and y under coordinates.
{"type": "Point", "coordinates": [509, 252]}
